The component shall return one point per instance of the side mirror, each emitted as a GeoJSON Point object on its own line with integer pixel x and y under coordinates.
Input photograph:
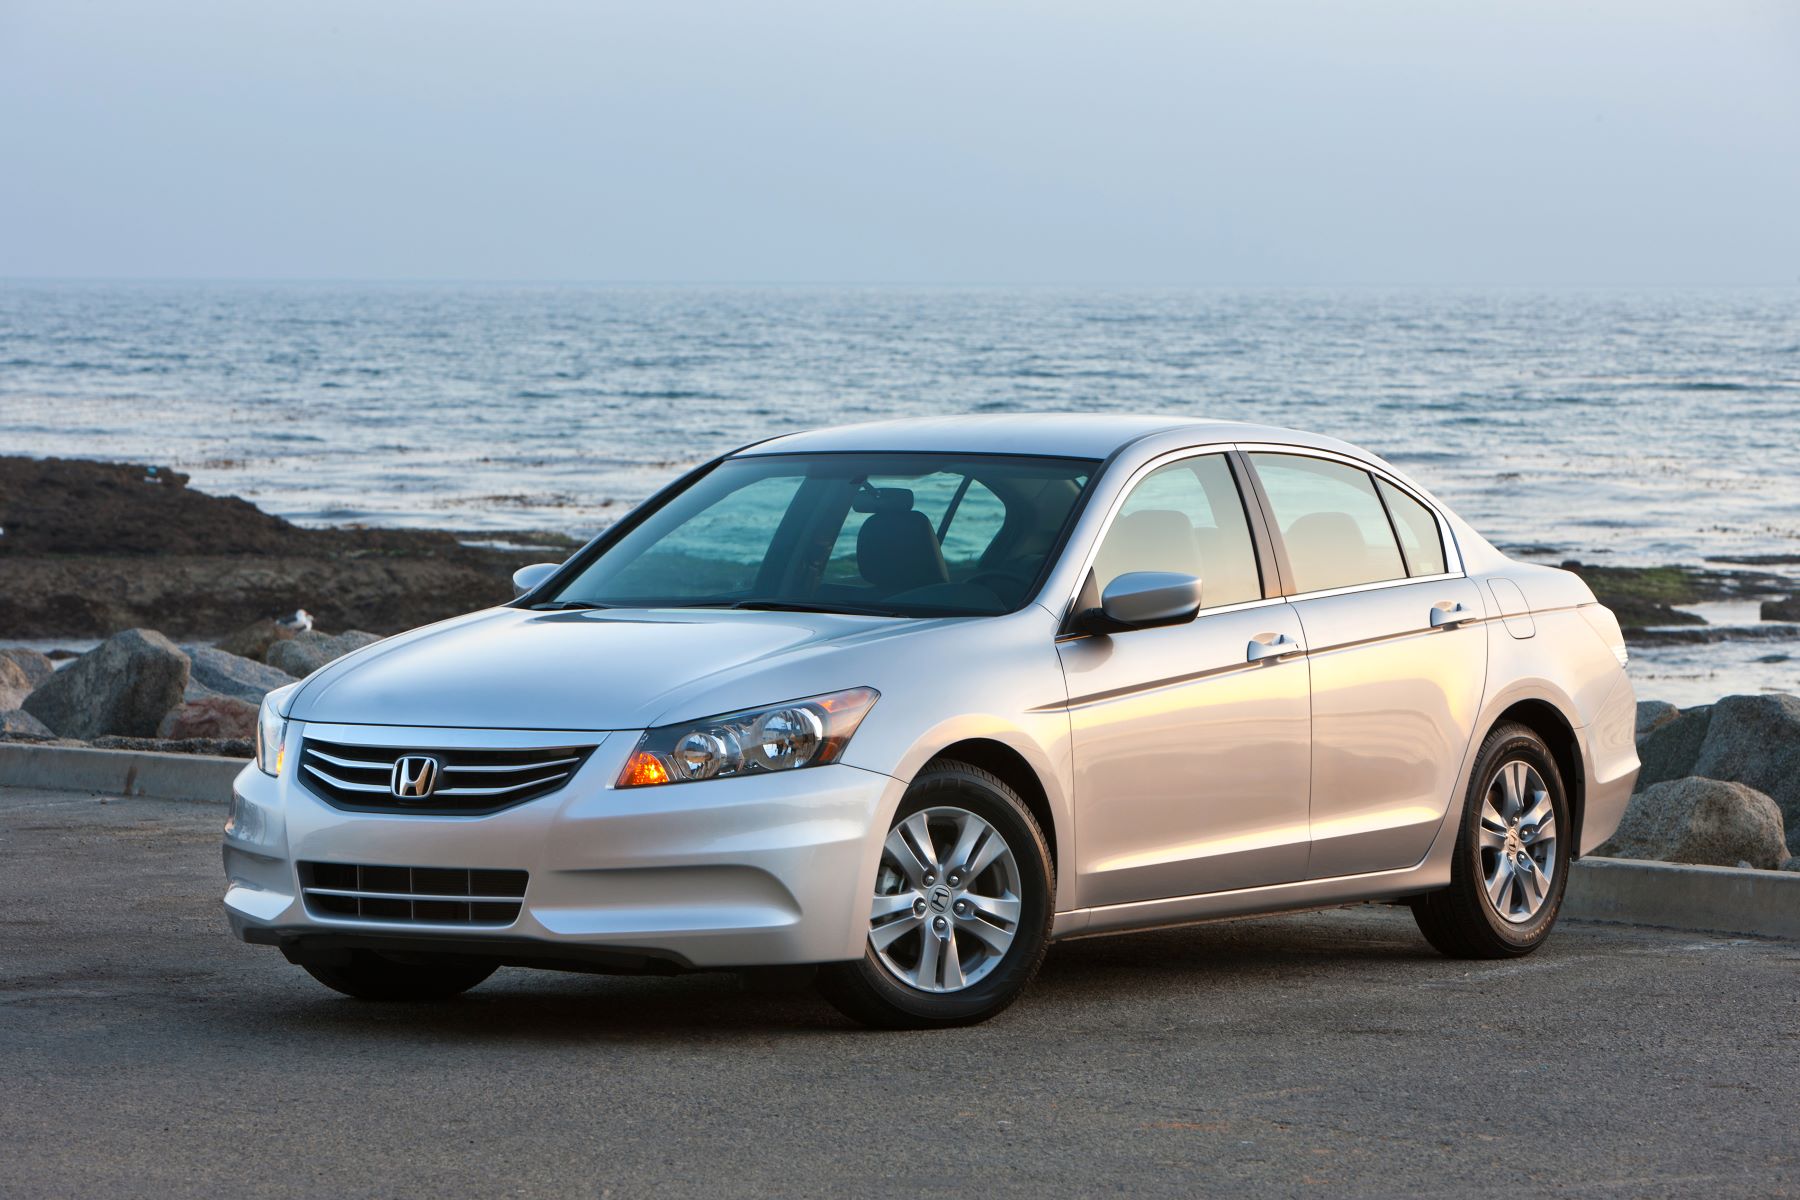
{"type": "Point", "coordinates": [526, 579]}
{"type": "Point", "coordinates": [1143, 600]}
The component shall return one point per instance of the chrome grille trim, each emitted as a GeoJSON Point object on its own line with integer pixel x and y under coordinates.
{"type": "Point", "coordinates": [352, 763]}
{"type": "Point", "coordinates": [498, 791]}
{"type": "Point", "coordinates": [345, 783]}
{"type": "Point", "coordinates": [473, 780]}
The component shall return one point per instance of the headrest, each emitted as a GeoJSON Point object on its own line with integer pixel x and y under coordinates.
{"type": "Point", "coordinates": [885, 500]}
{"type": "Point", "coordinates": [1151, 539]}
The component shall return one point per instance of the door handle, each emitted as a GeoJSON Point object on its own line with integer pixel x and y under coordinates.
{"type": "Point", "coordinates": [1448, 616]}
{"type": "Point", "coordinates": [1281, 646]}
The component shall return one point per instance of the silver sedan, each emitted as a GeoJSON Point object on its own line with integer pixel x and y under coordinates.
{"type": "Point", "coordinates": [900, 704]}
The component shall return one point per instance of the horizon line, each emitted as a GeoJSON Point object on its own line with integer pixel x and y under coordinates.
{"type": "Point", "coordinates": [529, 281]}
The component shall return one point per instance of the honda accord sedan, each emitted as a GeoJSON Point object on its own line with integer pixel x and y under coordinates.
{"type": "Point", "coordinates": [903, 703]}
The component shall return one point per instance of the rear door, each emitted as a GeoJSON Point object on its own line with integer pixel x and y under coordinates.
{"type": "Point", "coordinates": [1397, 653]}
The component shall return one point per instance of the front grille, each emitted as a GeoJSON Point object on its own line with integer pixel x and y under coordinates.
{"type": "Point", "coordinates": [470, 781]}
{"type": "Point", "coordinates": [426, 895]}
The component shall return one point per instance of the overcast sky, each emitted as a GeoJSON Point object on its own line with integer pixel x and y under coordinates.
{"type": "Point", "coordinates": [1101, 141]}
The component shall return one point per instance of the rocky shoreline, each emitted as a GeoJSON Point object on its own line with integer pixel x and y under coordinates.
{"type": "Point", "coordinates": [137, 690]}
{"type": "Point", "coordinates": [89, 548]}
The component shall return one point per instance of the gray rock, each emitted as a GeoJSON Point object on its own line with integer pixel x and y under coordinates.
{"type": "Point", "coordinates": [254, 639]}
{"type": "Point", "coordinates": [22, 725]}
{"type": "Point", "coordinates": [1755, 740]}
{"type": "Point", "coordinates": [306, 652]}
{"type": "Point", "coordinates": [37, 666]}
{"type": "Point", "coordinates": [1792, 864]}
{"type": "Point", "coordinates": [217, 717]}
{"type": "Point", "coordinates": [122, 686]}
{"type": "Point", "coordinates": [1698, 820]}
{"type": "Point", "coordinates": [1654, 714]}
{"type": "Point", "coordinates": [1785, 609]}
{"type": "Point", "coordinates": [1670, 750]}
{"type": "Point", "coordinates": [15, 684]}
{"type": "Point", "coordinates": [225, 674]}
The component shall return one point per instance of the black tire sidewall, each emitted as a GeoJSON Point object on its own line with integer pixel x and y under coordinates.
{"type": "Point", "coordinates": [981, 794]}
{"type": "Point", "coordinates": [1508, 744]}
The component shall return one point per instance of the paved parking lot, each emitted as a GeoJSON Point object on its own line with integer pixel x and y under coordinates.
{"type": "Point", "coordinates": [142, 1051]}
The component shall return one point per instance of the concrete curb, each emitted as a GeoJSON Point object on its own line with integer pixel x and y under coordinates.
{"type": "Point", "coordinates": [1681, 896]}
{"type": "Point", "coordinates": [119, 772]}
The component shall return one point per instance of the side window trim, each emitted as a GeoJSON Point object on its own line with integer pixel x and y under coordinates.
{"type": "Point", "coordinates": [1452, 569]}
{"type": "Point", "coordinates": [1262, 545]}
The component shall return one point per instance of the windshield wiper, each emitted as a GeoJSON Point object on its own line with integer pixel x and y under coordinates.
{"type": "Point", "coordinates": [564, 605]}
{"type": "Point", "coordinates": [799, 606]}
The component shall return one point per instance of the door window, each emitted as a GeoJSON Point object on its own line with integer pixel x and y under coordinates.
{"type": "Point", "coordinates": [1188, 518]}
{"type": "Point", "coordinates": [1331, 520]}
{"type": "Point", "coordinates": [1418, 530]}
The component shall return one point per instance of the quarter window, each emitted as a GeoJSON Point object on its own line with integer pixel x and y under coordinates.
{"type": "Point", "coordinates": [1331, 520]}
{"type": "Point", "coordinates": [1418, 530]}
{"type": "Point", "coordinates": [1188, 518]}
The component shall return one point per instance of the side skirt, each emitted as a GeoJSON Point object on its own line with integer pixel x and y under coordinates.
{"type": "Point", "coordinates": [1253, 902]}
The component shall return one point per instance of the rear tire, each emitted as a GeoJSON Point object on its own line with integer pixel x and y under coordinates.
{"type": "Point", "coordinates": [371, 976]}
{"type": "Point", "coordinates": [966, 867]}
{"type": "Point", "coordinates": [1511, 860]}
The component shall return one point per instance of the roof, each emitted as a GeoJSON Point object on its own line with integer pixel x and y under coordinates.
{"type": "Point", "coordinates": [1073, 435]}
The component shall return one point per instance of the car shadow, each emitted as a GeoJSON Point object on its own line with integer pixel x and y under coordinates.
{"type": "Point", "coordinates": [544, 1007]}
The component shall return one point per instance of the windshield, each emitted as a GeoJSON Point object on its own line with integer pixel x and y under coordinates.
{"type": "Point", "coordinates": [895, 534]}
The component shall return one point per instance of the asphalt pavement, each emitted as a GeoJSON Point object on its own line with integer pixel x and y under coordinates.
{"type": "Point", "coordinates": [143, 1051]}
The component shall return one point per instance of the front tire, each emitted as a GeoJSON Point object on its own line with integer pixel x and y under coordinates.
{"type": "Point", "coordinates": [1511, 861]}
{"type": "Point", "coordinates": [961, 914]}
{"type": "Point", "coordinates": [371, 976]}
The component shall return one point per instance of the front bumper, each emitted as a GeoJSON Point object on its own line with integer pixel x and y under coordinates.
{"type": "Point", "coordinates": [759, 871]}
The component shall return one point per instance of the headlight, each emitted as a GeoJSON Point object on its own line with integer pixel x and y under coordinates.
{"type": "Point", "coordinates": [782, 737]}
{"type": "Point", "coordinates": [271, 730]}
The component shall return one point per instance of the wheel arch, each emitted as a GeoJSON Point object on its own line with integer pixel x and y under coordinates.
{"type": "Point", "coordinates": [1549, 723]}
{"type": "Point", "coordinates": [1001, 760]}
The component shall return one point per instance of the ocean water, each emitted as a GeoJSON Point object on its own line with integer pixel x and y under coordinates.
{"type": "Point", "coordinates": [1614, 426]}
{"type": "Point", "coordinates": [1620, 427]}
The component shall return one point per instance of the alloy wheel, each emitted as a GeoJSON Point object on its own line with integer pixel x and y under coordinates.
{"type": "Point", "coordinates": [947, 900]}
{"type": "Point", "coordinates": [1518, 841]}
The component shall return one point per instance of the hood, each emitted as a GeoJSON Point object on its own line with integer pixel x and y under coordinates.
{"type": "Point", "coordinates": [596, 670]}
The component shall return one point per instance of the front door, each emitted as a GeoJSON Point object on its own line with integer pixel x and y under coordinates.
{"type": "Point", "coordinates": [1190, 741]}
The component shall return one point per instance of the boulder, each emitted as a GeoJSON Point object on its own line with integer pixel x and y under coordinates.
{"type": "Point", "coordinates": [15, 685]}
{"type": "Point", "coordinates": [1755, 740]}
{"type": "Point", "coordinates": [306, 652]}
{"type": "Point", "coordinates": [37, 666]}
{"type": "Point", "coordinates": [19, 724]}
{"type": "Point", "coordinates": [1697, 820]}
{"type": "Point", "coordinates": [123, 686]}
{"type": "Point", "coordinates": [223, 673]}
{"type": "Point", "coordinates": [1785, 609]}
{"type": "Point", "coordinates": [1669, 750]}
{"type": "Point", "coordinates": [1792, 864]}
{"type": "Point", "coordinates": [254, 639]}
{"type": "Point", "coordinates": [217, 717]}
{"type": "Point", "coordinates": [1654, 714]}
